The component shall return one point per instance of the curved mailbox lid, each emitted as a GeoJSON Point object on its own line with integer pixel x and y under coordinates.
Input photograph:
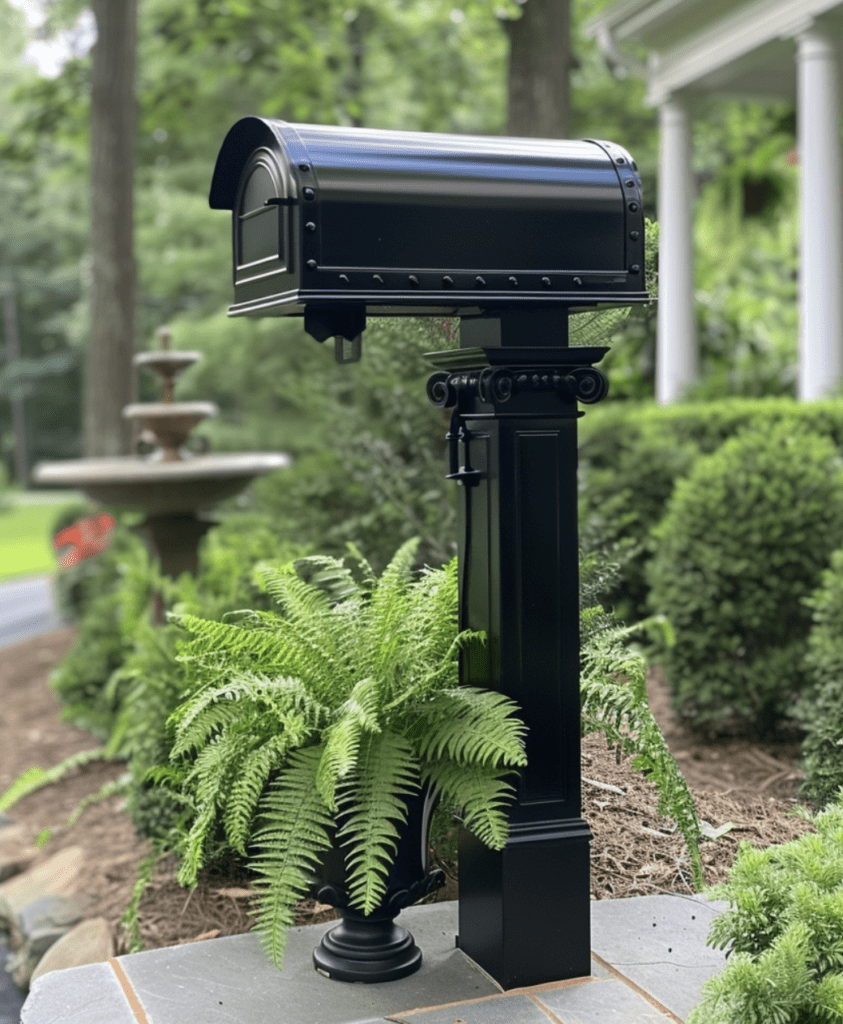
{"type": "Point", "coordinates": [451, 210]}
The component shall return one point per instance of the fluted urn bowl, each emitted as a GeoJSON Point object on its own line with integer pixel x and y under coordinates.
{"type": "Point", "coordinates": [160, 488]}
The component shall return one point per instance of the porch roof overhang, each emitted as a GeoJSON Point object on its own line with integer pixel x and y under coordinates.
{"type": "Point", "coordinates": [718, 47]}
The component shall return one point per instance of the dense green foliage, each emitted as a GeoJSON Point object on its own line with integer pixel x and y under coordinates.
{"type": "Point", "coordinates": [632, 455]}
{"type": "Point", "coordinates": [744, 540]}
{"type": "Point", "coordinates": [369, 448]}
{"type": "Point", "coordinates": [327, 715]}
{"type": "Point", "coordinates": [784, 927]}
{"type": "Point", "coordinates": [111, 597]}
{"type": "Point", "coordinates": [820, 711]}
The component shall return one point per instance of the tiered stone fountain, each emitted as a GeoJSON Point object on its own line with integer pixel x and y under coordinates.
{"type": "Point", "coordinates": [171, 484]}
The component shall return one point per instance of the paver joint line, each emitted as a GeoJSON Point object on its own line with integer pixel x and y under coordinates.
{"type": "Point", "coordinates": [637, 988]}
{"type": "Point", "coordinates": [545, 1010]}
{"type": "Point", "coordinates": [128, 991]}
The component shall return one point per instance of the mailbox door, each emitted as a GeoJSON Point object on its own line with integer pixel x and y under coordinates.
{"type": "Point", "coordinates": [263, 226]}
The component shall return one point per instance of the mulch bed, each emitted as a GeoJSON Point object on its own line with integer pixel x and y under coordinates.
{"type": "Point", "coordinates": [634, 851]}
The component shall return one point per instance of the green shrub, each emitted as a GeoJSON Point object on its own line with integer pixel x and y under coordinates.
{"type": "Point", "coordinates": [785, 928]}
{"type": "Point", "coordinates": [106, 634]}
{"type": "Point", "coordinates": [112, 594]}
{"type": "Point", "coordinates": [631, 456]}
{"type": "Point", "coordinates": [744, 541]}
{"type": "Point", "coordinates": [820, 710]}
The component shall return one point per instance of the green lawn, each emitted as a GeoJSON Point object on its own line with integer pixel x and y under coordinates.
{"type": "Point", "coordinates": [25, 542]}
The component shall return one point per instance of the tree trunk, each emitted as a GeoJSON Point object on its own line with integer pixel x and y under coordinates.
{"type": "Point", "coordinates": [109, 375]}
{"type": "Point", "coordinates": [539, 69]}
{"type": "Point", "coordinates": [12, 335]}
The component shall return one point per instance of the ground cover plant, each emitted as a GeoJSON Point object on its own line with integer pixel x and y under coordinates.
{"type": "Point", "coordinates": [784, 932]}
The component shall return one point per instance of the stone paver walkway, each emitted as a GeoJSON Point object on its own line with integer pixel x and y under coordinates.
{"type": "Point", "coordinates": [649, 963]}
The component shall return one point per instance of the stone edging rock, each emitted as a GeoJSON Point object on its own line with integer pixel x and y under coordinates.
{"type": "Point", "coordinates": [42, 912]}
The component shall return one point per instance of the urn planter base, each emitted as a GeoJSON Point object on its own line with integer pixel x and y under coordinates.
{"type": "Point", "coordinates": [368, 949]}
{"type": "Point", "coordinates": [372, 947]}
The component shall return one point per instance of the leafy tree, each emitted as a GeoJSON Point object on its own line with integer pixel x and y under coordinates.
{"type": "Point", "coordinates": [41, 240]}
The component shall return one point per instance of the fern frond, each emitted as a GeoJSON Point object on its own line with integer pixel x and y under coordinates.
{"type": "Point", "coordinates": [614, 700]}
{"type": "Point", "coordinates": [196, 721]}
{"type": "Point", "coordinates": [295, 834]}
{"type": "Point", "coordinates": [161, 774]}
{"type": "Point", "coordinates": [357, 715]}
{"type": "Point", "coordinates": [252, 775]}
{"type": "Point", "coordinates": [283, 701]}
{"type": "Point", "coordinates": [296, 598]}
{"type": "Point", "coordinates": [257, 646]}
{"type": "Point", "coordinates": [330, 575]}
{"type": "Point", "coordinates": [129, 920]}
{"type": "Point", "coordinates": [34, 778]}
{"type": "Point", "coordinates": [469, 726]}
{"type": "Point", "coordinates": [481, 795]}
{"type": "Point", "coordinates": [193, 854]}
{"type": "Point", "coordinates": [372, 806]}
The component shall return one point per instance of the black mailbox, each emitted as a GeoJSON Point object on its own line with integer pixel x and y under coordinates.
{"type": "Point", "coordinates": [336, 223]}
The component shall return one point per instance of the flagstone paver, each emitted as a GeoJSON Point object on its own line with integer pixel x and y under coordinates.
{"type": "Point", "coordinates": [650, 962]}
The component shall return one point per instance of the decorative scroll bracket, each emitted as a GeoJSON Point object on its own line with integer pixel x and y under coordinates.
{"type": "Point", "coordinates": [497, 384]}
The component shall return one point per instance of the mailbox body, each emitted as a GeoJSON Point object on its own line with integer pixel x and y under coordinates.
{"type": "Point", "coordinates": [412, 223]}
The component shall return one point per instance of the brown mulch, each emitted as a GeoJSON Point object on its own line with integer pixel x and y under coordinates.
{"type": "Point", "coordinates": [634, 850]}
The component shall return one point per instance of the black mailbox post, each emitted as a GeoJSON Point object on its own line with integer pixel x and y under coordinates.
{"type": "Point", "coordinates": [337, 224]}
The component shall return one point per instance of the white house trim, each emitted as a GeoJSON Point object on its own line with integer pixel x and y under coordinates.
{"type": "Point", "coordinates": [729, 42]}
{"type": "Point", "coordinates": [676, 361]}
{"type": "Point", "coordinates": [775, 48]}
{"type": "Point", "coordinates": [821, 201]}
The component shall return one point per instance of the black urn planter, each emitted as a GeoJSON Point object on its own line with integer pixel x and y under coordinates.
{"type": "Point", "coordinates": [372, 947]}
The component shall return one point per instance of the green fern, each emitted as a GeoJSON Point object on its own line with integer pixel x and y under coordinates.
{"type": "Point", "coordinates": [479, 794]}
{"type": "Point", "coordinates": [324, 718]}
{"type": "Point", "coordinates": [374, 807]}
{"type": "Point", "coordinates": [297, 831]}
{"type": "Point", "coordinates": [613, 693]}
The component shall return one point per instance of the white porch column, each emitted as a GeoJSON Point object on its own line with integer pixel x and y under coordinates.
{"type": "Point", "coordinates": [676, 347]}
{"type": "Point", "coordinates": [821, 203]}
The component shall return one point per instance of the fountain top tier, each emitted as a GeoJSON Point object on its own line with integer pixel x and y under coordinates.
{"type": "Point", "coordinates": [170, 480]}
{"type": "Point", "coordinates": [167, 424]}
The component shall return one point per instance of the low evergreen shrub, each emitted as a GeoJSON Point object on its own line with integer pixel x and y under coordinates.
{"type": "Point", "coordinates": [744, 541]}
{"type": "Point", "coordinates": [783, 931]}
{"type": "Point", "coordinates": [820, 711]}
{"type": "Point", "coordinates": [632, 455]}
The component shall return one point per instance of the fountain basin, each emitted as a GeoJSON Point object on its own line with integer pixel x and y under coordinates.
{"type": "Point", "coordinates": [170, 422]}
{"type": "Point", "coordinates": [171, 362]}
{"type": "Point", "coordinates": [160, 488]}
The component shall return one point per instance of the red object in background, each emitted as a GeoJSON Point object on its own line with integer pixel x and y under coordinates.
{"type": "Point", "coordinates": [88, 536]}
